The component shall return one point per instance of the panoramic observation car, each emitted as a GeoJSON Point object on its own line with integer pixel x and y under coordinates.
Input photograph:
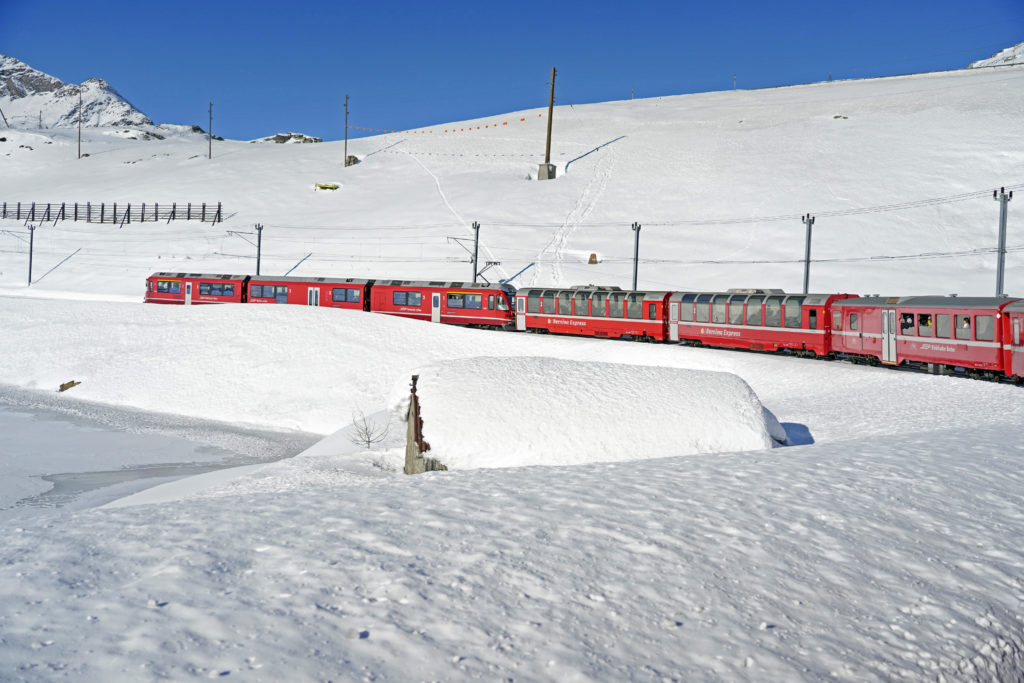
{"type": "Point", "coordinates": [455, 303]}
{"type": "Point", "coordinates": [311, 291]}
{"type": "Point", "coordinates": [195, 288]}
{"type": "Point", "coordinates": [936, 333]}
{"type": "Point", "coordinates": [593, 311]}
{"type": "Point", "coordinates": [754, 319]}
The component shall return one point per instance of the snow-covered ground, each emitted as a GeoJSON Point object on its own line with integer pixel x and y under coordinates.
{"type": "Point", "coordinates": [882, 545]}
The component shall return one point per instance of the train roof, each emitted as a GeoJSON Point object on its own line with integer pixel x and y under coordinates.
{"type": "Point", "coordinates": [208, 276]}
{"type": "Point", "coordinates": [592, 289]}
{"type": "Point", "coordinates": [953, 302]}
{"type": "Point", "coordinates": [808, 299]}
{"type": "Point", "coordinates": [326, 280]}
{"type": "Point", "coordinates": [443, 285]}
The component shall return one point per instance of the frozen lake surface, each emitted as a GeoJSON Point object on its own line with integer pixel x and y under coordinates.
{"type": "Point", "coordinates": [61, 454]}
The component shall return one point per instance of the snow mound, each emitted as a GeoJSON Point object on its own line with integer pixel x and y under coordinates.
{"type": "Point", "coordinates": [486, 412]}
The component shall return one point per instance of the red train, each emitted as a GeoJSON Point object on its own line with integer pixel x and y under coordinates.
{"type": "Point", "coordinates": [978, 336]}
{"type": "Point", "coordinates": [456, 303]}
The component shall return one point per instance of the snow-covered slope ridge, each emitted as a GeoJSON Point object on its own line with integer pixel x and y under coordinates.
{"type": "Point", "coordinates": [33, 99]}
{"type": "Point", "coordinates": [1011, 55]}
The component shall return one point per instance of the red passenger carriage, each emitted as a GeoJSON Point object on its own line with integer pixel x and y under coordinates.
{"type": "Point", "coordinates": [755, 319]}
{"type": "Point", "coordinates": [455, 303]}
{"type": "Point", "coordinates": [195, 288]}
{"type": "Point", "coordinates": [593, 311]}
{"type": "Point", "coordinates": [938, 333]}
{"type": "Point", "coordinates": [311, 291]}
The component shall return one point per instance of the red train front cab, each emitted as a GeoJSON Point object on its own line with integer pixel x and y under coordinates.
{"type": "Point", "coordinates": [194, 288]}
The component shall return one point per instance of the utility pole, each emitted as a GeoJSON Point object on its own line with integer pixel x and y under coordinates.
{"type": "Point", "coordinates": [31, 241]}
{"type": "Point", "coordinates": [79, 122]}
{"type": "Point", "coordinates": [209, 136]}
{"type": "Point", "coordinates": [259, 246]}
{"type": "Point", "coordinates": [547, 171]}
{"type": "Point", "coordinates": [734, 81]}
{"type": "Point", "coordinates": [636, 251]}
{"type": "Point", "coordinates": [476, 247]}
{"type": "Point", "coordinates": [1003, 198]}
{"type": "Point", "coordinates": [345, 162]}
{"type": "Point", "coordinates": [808, 221]}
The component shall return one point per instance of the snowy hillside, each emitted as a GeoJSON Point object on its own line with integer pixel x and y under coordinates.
{"type": "Point", "coordinates": [882, 544]}
{"type": "Point", "coordinates": [899, 173]}
{"type": "Point", "coordinates": [32, 99]}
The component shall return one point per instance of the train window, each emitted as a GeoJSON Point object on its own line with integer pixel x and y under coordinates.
{"type": "Point", "coordinates": [686, 307]}
{"type": "Point", "coordinates": [597, 305]}
{"type": "Point", "coordinates": [736, 309]}
{"type": "Point", "coordinates": [652, 311]}
{"type": "Point", "coordinates": [794, 311]}
{"type": "Point", "coordinates": [533, 302]}
{"type": "Point", "coordinates": [812, 319]}
{"type": "Point", "coordinates": [255, 291]}
{"type": "Point", "coordinates": [548, 299]}
{"type": "Point", "coordinates": [229, 290]}
{"type": "Point", "coordinates": [456, 300]}
{"type": "Point", "coordinates": [984, 330]}
{"type": "Point", "coordinates": [502, 304]}
{"type": "Point", "coordinates": [773, 311]}
{"type": "Point", "coordinates": [565, 303]}
{"type": "Point", "coordinates": [169, 286]}
{"type": "Point", "coordinates": [907, 323]}
{"type": "Point", "coordinates": [718, 308]}
{"type": "Point", "coordinates": [702, 309]}
{"type": "Point", "coordinates": [837, 321]}
{"type": "Point", "coordinates": [616, 305]}
{"type": "Point", "coordinates": [490, 302]}
{"type": "Point", "coordinates": [474, 301]}
{"type": "Point", "coordinates": [400, 298]}
{"type": "Point", "coordinates": [635, 306]}
{"type": "Point", "coordinates": [204, 288]}
{"type": "Point", "coordinates": [924, 325]}
{"type": "Point", "coordinates": [754, 310]}
{"type": "Point", "coordinates": [853, 322]}
{"type": "Point", "coordinates": [942, 325]}
{"type": "Point", "coordinates": [582, 304]}
{"type": "Point", "coordinates": [963, 327]}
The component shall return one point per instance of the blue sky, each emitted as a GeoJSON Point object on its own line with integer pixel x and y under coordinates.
{"type": "Point", "coordinates": [270, 67]}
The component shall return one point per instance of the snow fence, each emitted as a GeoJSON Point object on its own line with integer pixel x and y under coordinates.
{"type": "Point", "coordinates": [514, 412]}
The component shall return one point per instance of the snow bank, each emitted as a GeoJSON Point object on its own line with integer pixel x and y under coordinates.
{"type": "Point", "coordinates": [513, 412]}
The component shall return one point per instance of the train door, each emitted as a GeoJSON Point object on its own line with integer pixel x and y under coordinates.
{"type": "Point", "coordinates": [521, 313]}
{"type": "Point", "coordinates": [435, 307]}
{"type": "Point", "coordinates": [889, 329]}
{"type": "Point", "coordinates": [313, 296]}
{"type": "Point", "coordinates": [188, 293]}
{"type": "Point", "coordinates": [673, 321]}
{"type": "Point", "coordinates": [1017, 348]}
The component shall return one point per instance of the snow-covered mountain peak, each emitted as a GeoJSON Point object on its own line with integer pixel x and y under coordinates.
{"type": "Point", "coordinates": [30, 98]}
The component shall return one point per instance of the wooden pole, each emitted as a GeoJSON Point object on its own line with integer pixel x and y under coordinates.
{"type": "Point", "coordinates": [551, 110]}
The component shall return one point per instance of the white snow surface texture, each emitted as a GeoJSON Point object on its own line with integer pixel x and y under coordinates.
{"type": "Point", "coordinates": [884, 544]}
{"type": "Point", "coordinates": [514, 412]}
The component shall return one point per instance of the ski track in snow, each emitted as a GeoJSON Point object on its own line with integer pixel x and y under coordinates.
{"type": "Point", "coordinates": [585, 203]}
{"type": "Point", "coordinates": [444, 198]}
